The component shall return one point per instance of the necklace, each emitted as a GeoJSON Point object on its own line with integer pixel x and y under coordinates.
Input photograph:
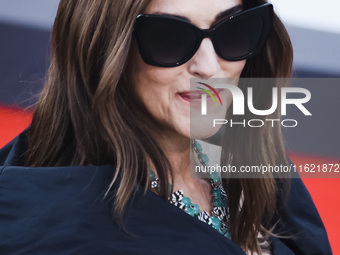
{"type": "Point", "coordinates": [220, 212]}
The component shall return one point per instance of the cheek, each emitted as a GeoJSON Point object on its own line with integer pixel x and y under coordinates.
{"type": "Point", "coordinates": [153, 83]}
{"type": "Point", "coordinates": [233, 69]}
{"type": "Point", "coordinates": [154, 86]}
{"type": "Point", "coordinates": [142, 72]}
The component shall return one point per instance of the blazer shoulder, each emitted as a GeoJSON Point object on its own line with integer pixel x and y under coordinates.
{"type": "Point", "coordinates": [13, 154]}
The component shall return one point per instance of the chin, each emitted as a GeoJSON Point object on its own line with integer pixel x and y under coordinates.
{"type": "Point", "coordinates": [203, 133]}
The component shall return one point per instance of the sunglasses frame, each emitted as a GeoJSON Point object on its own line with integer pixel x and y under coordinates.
{"type": "Point", "coordinates": [265, 11]}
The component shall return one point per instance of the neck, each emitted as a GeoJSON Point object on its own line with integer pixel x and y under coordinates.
{"type": "Point", "coordinates": [177, 149]}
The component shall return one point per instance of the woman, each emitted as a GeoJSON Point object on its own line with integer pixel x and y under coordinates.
{"type": "Point", "coordinates": [115, 105]}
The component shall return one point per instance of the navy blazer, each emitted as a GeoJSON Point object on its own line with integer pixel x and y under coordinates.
{"type": "Point", "coordinates": [62, 210]}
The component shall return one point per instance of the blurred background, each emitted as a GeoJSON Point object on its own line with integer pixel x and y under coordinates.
{"type": "Point", "coordinates": [314, 27]}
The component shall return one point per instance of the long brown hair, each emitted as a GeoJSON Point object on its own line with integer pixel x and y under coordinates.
{"type": "Point", "coordinates": [86, 117]}
{"type": "Point", "coordinates": [253, 201]}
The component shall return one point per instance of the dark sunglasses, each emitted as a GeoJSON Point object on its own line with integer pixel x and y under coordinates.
{"type": "Point", "coordinates": [169, 41]}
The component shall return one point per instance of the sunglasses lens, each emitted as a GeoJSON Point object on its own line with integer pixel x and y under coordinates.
{"type": "Point", "coordinates": [239, 37]}
{"type": "Point", "coordinates": [166, 41]}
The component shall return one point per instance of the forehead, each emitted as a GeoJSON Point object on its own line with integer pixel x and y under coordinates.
{"type": "Point", "coordinates": [200, 12]}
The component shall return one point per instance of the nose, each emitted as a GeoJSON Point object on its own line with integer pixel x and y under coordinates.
{"type": "Point", "coordinates": [204, 63]}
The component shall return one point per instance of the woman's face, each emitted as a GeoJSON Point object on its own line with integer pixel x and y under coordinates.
{"type": "Point", "coordinates": [163, 90]}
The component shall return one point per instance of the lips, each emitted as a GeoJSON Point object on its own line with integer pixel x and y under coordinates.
{"type": "Point", "coordinates": [187, 95]}
{"type": "Point", "coordinates": [195, 95]}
